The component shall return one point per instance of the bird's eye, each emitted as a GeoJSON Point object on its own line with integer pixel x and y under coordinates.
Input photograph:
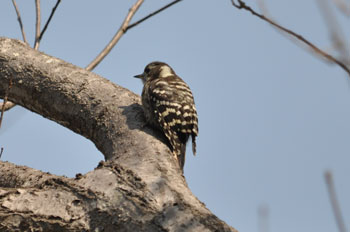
{"type": "Point", "coordinates": [147, 69]}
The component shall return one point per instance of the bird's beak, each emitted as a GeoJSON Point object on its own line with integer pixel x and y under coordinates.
{"type": "Point", "coordinates": [139, 76]}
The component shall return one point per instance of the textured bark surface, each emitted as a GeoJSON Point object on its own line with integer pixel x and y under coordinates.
{"type": "Point", "coordinates": [138, 188]}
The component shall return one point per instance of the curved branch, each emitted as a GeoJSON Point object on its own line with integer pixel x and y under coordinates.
{"type": "Point", "coordinates": [139, 188]}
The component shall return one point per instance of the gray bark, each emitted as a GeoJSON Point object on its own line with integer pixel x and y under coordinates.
{"type": "Point", "coordinates": [138, 188]}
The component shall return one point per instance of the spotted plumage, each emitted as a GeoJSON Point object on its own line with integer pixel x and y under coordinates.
{"type": "Point", "coordinates": [169, 106]}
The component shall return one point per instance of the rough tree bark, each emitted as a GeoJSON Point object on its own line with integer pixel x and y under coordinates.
{"type": "Point", "coordinates": [137, 188]}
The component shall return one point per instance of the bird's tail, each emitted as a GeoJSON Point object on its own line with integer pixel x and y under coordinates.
{"type": "Point", "coordinates": [194, 147]}
{"type": "Point", "coordinates": [181, 157]}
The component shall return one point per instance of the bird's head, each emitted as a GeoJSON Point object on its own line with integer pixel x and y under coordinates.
{"type": "Point", "coordinates": [155, 70]}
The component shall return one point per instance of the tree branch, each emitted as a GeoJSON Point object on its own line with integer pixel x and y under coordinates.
{"type": "Point", "coordinates": [20, 21]}
{"type": "Point", "coordinates": [334, 202]}
{"type": "Point", "coordinates": [242, 5]}
{"type": "Point", "coordinates": [49, 20]}
{"type": "Point", "coordinates": [116, 37]}
{"type": "Point", "coordinates": [139, 188]}
{"type": "Point", "coordinates": [123, 29]}
{"type": "Point", "coordinates": [37, 24]}
{"type": "Point", "coordinates": [335, 33]}
{"type": "Point", "coordinates": [152, 14]}
{"type": "Point", "coordinates": [343, 6]}
{"type": "Point", "coordinates": [7, 105]}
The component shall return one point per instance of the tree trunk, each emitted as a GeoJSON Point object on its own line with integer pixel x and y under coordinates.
{"type": "Point", "coordinates": [138, 188]}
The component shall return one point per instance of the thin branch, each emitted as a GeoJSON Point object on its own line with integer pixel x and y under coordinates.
{"type": "Point", "coordinates": [37, 24]}
{"type": "Point", "coordinates": [49, 20]}
{"type": "Point", "coordinates": [335, 33]}
{"type": "Point", "coordinates": [5, 102]}
{"type": "Point", "coordinates": [2, 149]}
{"type": "Point", "coordinates": [242, 5]}
{"type": "Point", "coordinates": [334, 202]}
{"type": "Point", "coordinates": [343, 7]}
{"type": "Point", "coordinates": [116, 37]}
{"type": "Point", "coordinates": [20, 21]}
{"type": "Point", "coordinates": [7, 105]}
{"type": "Point", "coordinates": [152, 14]}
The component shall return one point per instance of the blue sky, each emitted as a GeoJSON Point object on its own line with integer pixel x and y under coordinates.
{"type": "Point", "coordinates": [272, 117]}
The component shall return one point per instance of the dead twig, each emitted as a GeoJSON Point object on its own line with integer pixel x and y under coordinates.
{"type": "Point", "coordinates": [49, 20]}
{"type": "Point", "coordinates": [20, 21]}
{"type": "Point", "coordinates": [335, 33]}
{"type": "Point", "coordinates": [152, 14]}
{"type": "Point", "coordinates": [334, 202]}
{"type": "Point", "coordinates": [343, 6]}
{"type": "Point", "coordinates": [123, 29]}
{"type": "Point", "coordinates": [243, 5]}
{"type": "Point", "coordinates": [5, 101]}
{"type": "Point", "coordinates": [116, 37]}
{"type": "Point", "coordinates": [37, 24]}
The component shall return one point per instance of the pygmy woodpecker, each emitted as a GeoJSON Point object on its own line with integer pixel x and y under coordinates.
{"type": "Point", "coordinates": [168, 105]}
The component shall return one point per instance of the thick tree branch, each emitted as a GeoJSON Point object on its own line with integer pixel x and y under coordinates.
{"type": "Point", "coordinates": [242, 5]}
{"type": "Point", "coordinates": [139, 188]}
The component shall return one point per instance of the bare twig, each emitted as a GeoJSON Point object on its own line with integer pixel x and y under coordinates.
{"type": "Point", "coordinates": [123, 29]}
{"type": "Point", "coordinates": [37, 24]}
{"type": "Point", "coordinates": [5, 102]}
{"type": "Point", "coordinates": [152, 14]}
{"type": "Point", "coordinates": [49, 20]}
{"type": "Point", "coordinates": [343, 6]}
{"type": "Point", "coordinates": [1, 150]}
{"type": "Point", "coordinates": [20, 21]}
{"type": "Point", "coordinates": [7, 105]}
{"type": "Point", "coordinates": [334, 202]}
{"type": "Point", "coordinates": [336, 35]}
{"type": "Point", "coordinates": [116, 37]}
{"type": "Point", "coordinates": [242, 5]}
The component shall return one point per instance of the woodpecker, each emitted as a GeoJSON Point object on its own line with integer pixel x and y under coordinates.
{"type": "Point", "coordinates": [168, 106]}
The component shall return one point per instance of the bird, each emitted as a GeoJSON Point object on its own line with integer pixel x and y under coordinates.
{"type": "Point", "coordinates": [169, 106]}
